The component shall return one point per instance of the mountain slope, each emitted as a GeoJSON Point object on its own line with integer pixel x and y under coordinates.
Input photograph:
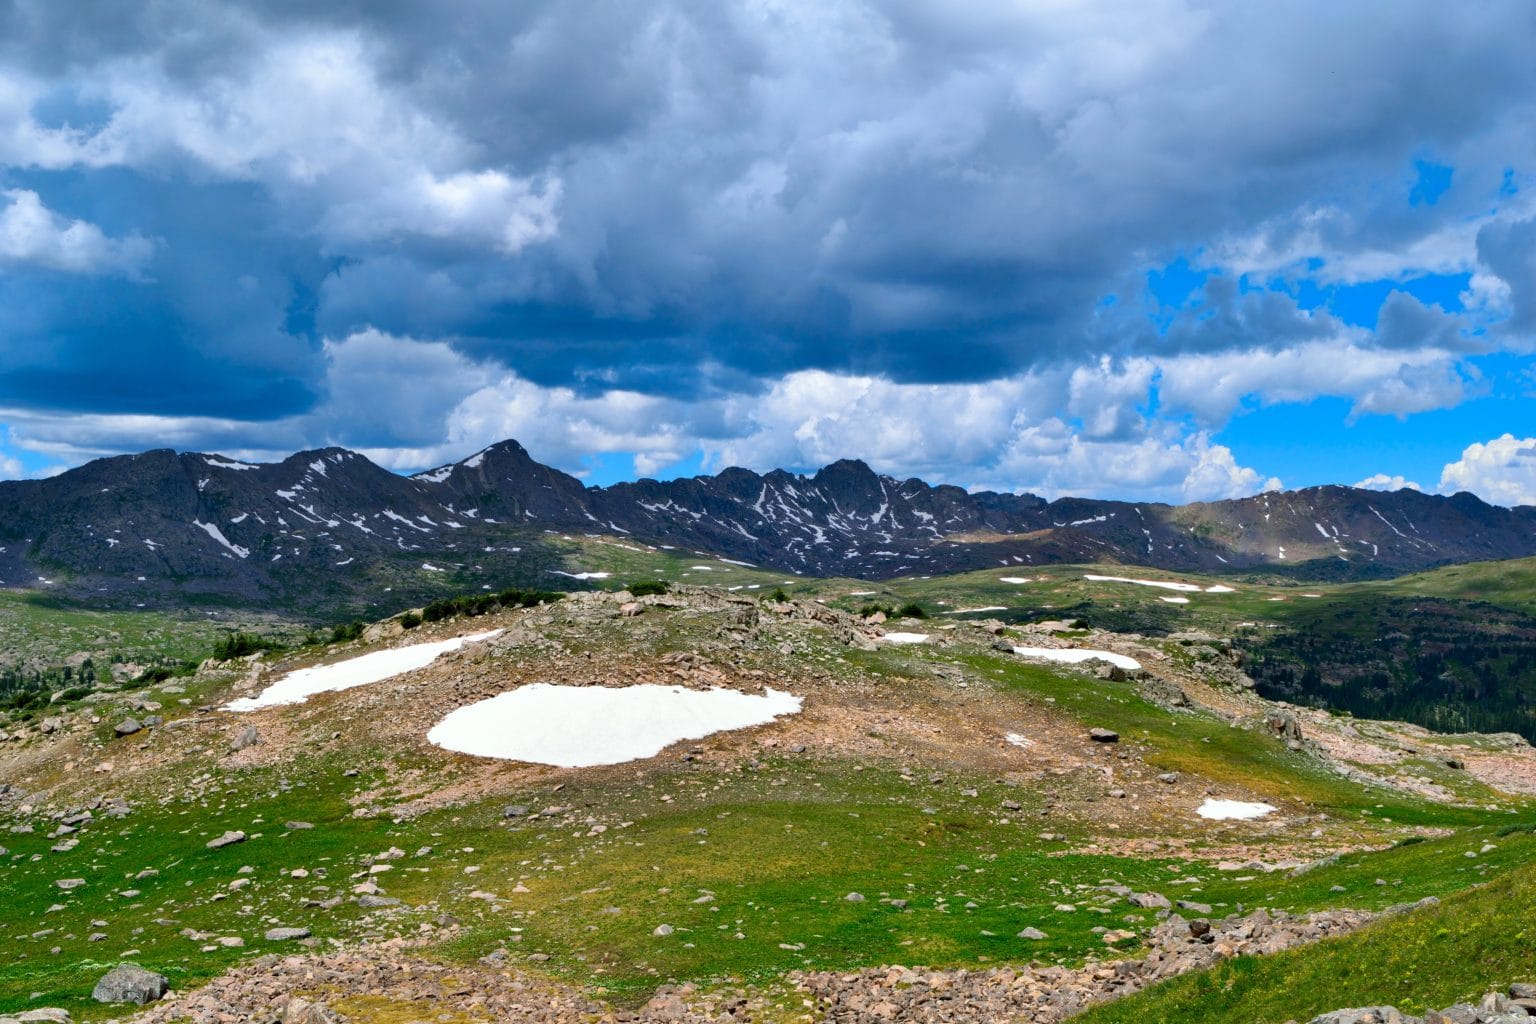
{"type": "Point", "coordinates": [323, 526]}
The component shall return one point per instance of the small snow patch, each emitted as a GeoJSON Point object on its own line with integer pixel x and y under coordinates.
{"type": "Point", "coordinates": [1224, 810]}
{"type": "Point", "coordinates": [218, 535]}
{"type": "Point", "coordinates": [905, 638]}
{"type": "Point", "coordinates": [1012, 579]}
{"type": "Point", "coordinates": [584, 575]}
{"type": "Point", "coordinates": [1175, 600]}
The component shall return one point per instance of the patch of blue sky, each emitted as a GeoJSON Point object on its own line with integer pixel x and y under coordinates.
{"type": "Point", "coordinates": [1433, 181]}
{"type": "Point", "coordinates": [606, 468]}
{"type": "Point", "coordinates": [1316, 442]}
{"type": "Point", "coordinates": [1360, 304]}
{"type": "Point", "coordinates": [32, 463]}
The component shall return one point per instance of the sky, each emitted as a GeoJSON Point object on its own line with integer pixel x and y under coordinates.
{"type": "Point", "coordinates": [1158, 250]}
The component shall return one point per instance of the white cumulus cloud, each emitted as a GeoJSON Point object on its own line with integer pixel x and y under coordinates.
{"type": "Point", "coordinates": [1383, 482]}
{"type": "Point", "coordinates": [33, 235]}
{"type": "Point", "coordinates": [1501, 471]}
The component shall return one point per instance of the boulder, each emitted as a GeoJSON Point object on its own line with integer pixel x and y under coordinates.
{"type": "Point", "coordinates": [247, 737]}
{"type": "Point", "coordinates": [1103, 735]}
{"type": "Point", "coordinates": [301, 1011]}
{"type": "Point", "coordinates": [128, 726]}
{"type": "Point", "coordinates": [130, 983]}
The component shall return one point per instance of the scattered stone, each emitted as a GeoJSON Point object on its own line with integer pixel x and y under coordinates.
{"type": "Point", "coordinates": [130, 983]}
{"type": "Point", "coordinates": [297, 826]}
{"type": "Point", "coordinates": [661, 931]}
{"type": "Point", "coordinates": [286, 934]}
{"type": "Point", "coordinates": [1033, 934]}
{"type": "Point", "coordinates": [854, 897]}
{"type": "Point", "coordinates": [128, 726]}
{"type": "Point", "coordinates": [69, 883]}
{"type": "Point", "coordinates": [1099, 735]}
{"type": "Point", "coordinates": [227, 839]}
{"type": "Point", "coordinates": [514, 811]}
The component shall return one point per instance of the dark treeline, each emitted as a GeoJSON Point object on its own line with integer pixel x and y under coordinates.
{"type": "Point", "coordinates": [1452, 666]}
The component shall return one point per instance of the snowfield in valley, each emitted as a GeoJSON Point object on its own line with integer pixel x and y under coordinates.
{"type": "Point", "coordinates": [584, 726]}
{"type": "Point", "coordinates": [1073, 656]}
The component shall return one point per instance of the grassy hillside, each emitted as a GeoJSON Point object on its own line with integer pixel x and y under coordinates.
{"type": "Point", "coordinates": [1474, 942]}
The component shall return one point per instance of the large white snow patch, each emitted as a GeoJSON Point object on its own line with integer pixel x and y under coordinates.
{"type": "Point", "coordinates": [582, 726]}
{"type": "Point", "coordinates": [1074, 655]}
{"type": "Point", "coordinates": [1188, 588]}
{"type": "Point", "coordinates": [1223, 810]}
{"type": "Point", "coordinates": [301, 684]}
{"type": "Point", "coordinates": [905, 638]}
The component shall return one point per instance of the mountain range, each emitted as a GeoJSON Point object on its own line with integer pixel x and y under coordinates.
{"type": "Point", "coordinates": [321, 527]}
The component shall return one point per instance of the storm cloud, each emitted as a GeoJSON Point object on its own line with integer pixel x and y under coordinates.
{"type": "Point", "coordinates": [213, 214]}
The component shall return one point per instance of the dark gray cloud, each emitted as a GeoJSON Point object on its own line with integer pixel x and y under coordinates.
{"type": "Point", "coordinates": [689, 198]}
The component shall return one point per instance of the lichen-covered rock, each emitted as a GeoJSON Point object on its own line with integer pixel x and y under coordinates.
{"type": "Point", "coordinates": [130, 983]}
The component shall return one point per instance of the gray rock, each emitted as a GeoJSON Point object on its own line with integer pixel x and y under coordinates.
{"type": "Point", "coordinates": [661, 931]}
{"type": "Point", "coordinates": [1150, 900]}
{"type": "Point", "coordinates": [854, 897]}
{"type": "Point", "coordinates": [247, 737]}
{"type": "Point", "coordinates": [1461, 1013]}
{"type": "Point", "coordinates": [368, 901]}
{"type": "Point", "coordinates": [69, 883]}
{"type": "Point", "coordinates": [128, 726]}
{"type": "Point", "coordinates": [301, 1011]}
{"type": "Point", "coordinates": [295, 826]}
{"type": "Point", "coordinates": [1103, 735]}
{"type": "Point", "coordinates": [1033, 934]}
{"type": "Point", "coordinates": [130, 983]}
{"type": "Point", "coordinates": [514, 811]}
{"type": "Point", "coordinates": [286, 934]}
{"type": "Point", "coordinates": [227, 839]}
{"type": "Point", "coordinates": [44, 1015]}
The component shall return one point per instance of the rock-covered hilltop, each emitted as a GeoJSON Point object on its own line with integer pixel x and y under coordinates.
{"type": "Point", "coordinates": [1013, 821]}
{"type": "Point", "coordinates": [326, 524]}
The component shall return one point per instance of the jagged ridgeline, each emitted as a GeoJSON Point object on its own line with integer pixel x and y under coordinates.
{"type": "Point", "coordinates": [329, 529]}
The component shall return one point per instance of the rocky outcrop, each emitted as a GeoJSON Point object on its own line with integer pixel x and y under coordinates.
{"type": "Point", "coordinates": [1044, 995]}
{"type": "Point", "coordinates": [1519, 1004]}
